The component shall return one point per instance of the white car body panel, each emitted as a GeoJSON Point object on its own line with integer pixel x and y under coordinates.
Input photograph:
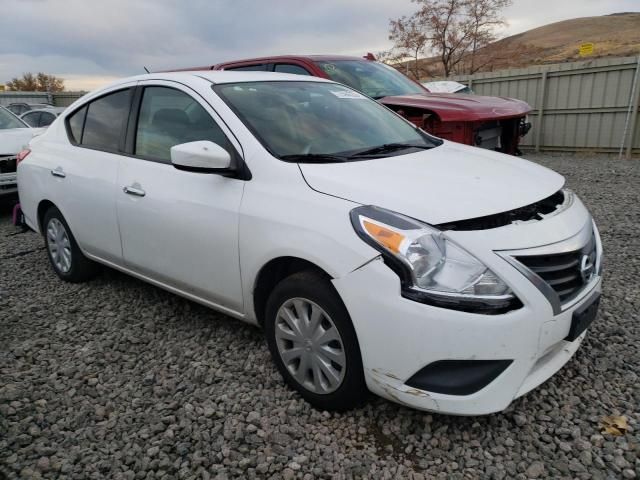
{"type": "Point", "coordinates": [207, 237]}
{"type": "Point", "coordinates": [451, 182]}
{"type": "Point", "coordinates": [444, 86]}
{"type": "Point", "coordinates": [12, 141]}
{"type": "Point", "coordinates": [193, 245]}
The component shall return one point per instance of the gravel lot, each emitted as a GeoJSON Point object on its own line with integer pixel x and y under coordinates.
{"type": "Point", "coordinates": [118, 379]}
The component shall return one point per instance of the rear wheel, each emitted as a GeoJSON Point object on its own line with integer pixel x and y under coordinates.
{"type": "Point", "coordinates": [313, 343]}
{"type": "Point", "coordinates": [65, 256]}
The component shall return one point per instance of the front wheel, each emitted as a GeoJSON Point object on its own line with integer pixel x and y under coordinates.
{"type": "Point", "coordinates": [313, 342]}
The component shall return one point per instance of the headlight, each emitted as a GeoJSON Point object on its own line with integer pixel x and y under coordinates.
{"type": "Point", "coordinates": [433, 269]}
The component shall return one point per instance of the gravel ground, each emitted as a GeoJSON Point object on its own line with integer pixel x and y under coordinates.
{"type": "Point", "coordinates": [118, 379]}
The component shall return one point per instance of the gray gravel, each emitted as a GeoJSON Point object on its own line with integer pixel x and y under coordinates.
{"type": "Point", "coordinates": [118, 379]}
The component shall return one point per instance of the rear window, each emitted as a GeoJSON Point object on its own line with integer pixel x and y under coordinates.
{"type": "Point", "coordinates": [32, 119]}
{"type": "Point", "coordinates": [290, 68]}
{"type": "Point", "coordinates": [106, 119]}
{"type": "Point", "coordinates": [249, 68]}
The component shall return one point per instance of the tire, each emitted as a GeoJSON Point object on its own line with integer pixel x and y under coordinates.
{"type": "Point", "coordinates": [335, 379]}
{"type": "Point", "coordinates": [65, 256]}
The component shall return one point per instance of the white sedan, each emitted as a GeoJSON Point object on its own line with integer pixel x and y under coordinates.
{"type": "Point", "coordinates": [373, 255]}
{"type": "Point", "coordinates": [15, 134]}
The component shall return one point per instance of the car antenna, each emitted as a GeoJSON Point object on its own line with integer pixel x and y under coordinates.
{"type": "Point", "coordinates": [146, 69]}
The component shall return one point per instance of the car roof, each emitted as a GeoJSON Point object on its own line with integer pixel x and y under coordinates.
{"type": "Point", "coordinates": [314, 58]}
{"type": "Point", "coordinates": [218, 77]}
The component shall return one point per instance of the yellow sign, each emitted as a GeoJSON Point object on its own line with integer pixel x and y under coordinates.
{"type": "Point", "coordinates": [586, 49]}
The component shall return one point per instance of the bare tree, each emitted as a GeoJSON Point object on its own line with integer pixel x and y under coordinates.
{"type": "Point", "coordinates": [391, 57]}
{"type": "Point", "coordinates": [454, 29]}
{"type": "Point", "coordinates": [484, 18]}
{"type": "Point", "coordinates": [449, 27]}
{"type": "Point", "coordinates": [410, 39]}
{"type": "Point", "coordinates": [40, 82]}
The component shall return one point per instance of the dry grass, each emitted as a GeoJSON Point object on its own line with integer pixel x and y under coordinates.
{"type": "Point", "coordinates": [612, 35]}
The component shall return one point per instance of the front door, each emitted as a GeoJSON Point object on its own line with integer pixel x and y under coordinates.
{"type": "Point", "coordinates": [177, 227]}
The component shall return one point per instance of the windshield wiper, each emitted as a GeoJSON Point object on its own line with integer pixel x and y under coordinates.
{"type": "Point", "coordinates": [313, 158]}
{"type": "Point", "coordinates": [388, 147]}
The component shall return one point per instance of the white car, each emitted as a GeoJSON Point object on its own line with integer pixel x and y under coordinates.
{"type": "Point", "coordinates": [375, 256]}
{"type": "Point", "coordinates": [15, 135]}
{"type": "Point", "coordinates": [41, 117]}
{"type": "Point", "coordinates": [447, 86]}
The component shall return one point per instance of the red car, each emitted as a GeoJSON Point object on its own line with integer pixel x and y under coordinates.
{"type": "Point", "coordinates": [496, 123]}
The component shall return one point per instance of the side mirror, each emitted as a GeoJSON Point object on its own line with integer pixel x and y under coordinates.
{"type": "Point", "coordinates": [203, 156]}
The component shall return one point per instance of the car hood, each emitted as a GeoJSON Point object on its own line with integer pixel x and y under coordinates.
{"type": "Point", "coordinates": [448, 183]}
{"type": "Point", "coordinates": [12, 140]}
{"type": "Point", "coordinates": [452, 107]}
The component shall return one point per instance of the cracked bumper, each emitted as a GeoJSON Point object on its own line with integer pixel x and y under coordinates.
{"type": "Point", "coordinates": [398, 337]}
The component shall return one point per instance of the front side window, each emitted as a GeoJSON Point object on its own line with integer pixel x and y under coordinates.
{"type": "Point", "coordinates": [290, 68]}
{"type": "Point", "coordinates": [9, 120]}
{"type": "Point", "coordinates": [170, 117]}
{"type": "Point", "coordinates": [371, 78]}
{"type": "Point", "coordinates": [106, 120]}
{"type": "Point", "coordinates": [32, 119]}
{"type": "Point", "coordinates": [316, 118]}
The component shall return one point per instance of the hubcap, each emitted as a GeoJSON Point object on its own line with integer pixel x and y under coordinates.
{"type": "Point", "coordinates": [310, 346]}
{"type": "Point", "coordinates": [59, 245]}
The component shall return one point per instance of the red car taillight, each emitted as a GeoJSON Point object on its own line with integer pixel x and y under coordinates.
{"type": "Point", "coordinates": [22, 155]}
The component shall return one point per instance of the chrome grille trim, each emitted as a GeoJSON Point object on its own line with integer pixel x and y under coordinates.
{"type": "Point", "coordinates": [538, 267]}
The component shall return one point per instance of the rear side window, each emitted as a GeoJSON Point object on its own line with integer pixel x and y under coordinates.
{"type": "Point", "coordinates": [32, 119]}
{"type": "Point", "coordinates": [290, 68]}
{"type": "Point", "coordinates": [106, 120]}
{"type": "Point", "coordinates": [46, 119]}
{"type": "Point", "coordinates": [170, 117]}
{"type": "Point", "coordinates": [76, 122]}
{"type": "Point", "coordinates": [249, 68]}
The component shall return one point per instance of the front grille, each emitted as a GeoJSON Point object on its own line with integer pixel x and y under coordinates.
{"type": "Point", "coordinates": [535, 211]}
{"type": "Point", "coordinates": [566, 273]}
{"type": "Point", "coordinates": [8, 163]}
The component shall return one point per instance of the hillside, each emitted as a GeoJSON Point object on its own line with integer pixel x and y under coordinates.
{"type": "Point", "coordinates": [613, 35]}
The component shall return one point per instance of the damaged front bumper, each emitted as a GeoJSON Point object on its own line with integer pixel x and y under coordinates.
{"type": "Point", "coordinates": [465, 363]}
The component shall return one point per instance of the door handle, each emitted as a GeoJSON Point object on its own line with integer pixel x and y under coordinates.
{"type": "Point", "coordinates": [58, 172]}
{"type": "Point", "coordinates": [131, 190]}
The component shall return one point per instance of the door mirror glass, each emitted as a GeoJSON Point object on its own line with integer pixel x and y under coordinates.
{"type": "Point", "coordinates": [201, 156]}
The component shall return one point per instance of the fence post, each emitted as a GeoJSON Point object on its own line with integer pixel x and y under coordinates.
{"type": "Point", "coordinates": [49, 98]}
{"type": "Point", "coordinates": [470, 84]}
{"type": "Point", "coordinates": [541, 101]}
{"type": "Point", "coordinates": [635, 103]}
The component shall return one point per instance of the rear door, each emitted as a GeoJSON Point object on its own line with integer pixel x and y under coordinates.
{"type": "Point", "coordinates": [177, 227]}
{"type": "Point", "coordinates": [84, 173]}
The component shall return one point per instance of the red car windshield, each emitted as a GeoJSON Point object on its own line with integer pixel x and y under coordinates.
{"type": "Point", "coordinates": [374, 79]}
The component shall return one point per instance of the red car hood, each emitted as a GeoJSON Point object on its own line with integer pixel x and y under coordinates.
{"type": "Point", "coordinates": [451, 107]}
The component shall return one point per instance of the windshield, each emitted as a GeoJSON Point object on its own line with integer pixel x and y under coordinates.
{"type": "Point", "coordinates": [9, 120]}
{"type": "Point", "coordinates": [315, 119]}
{"type": "Point", "coordinates": [371, 78]}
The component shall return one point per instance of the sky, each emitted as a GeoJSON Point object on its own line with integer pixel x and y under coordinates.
{"type": "Point", "coordinates": [91, 42]}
